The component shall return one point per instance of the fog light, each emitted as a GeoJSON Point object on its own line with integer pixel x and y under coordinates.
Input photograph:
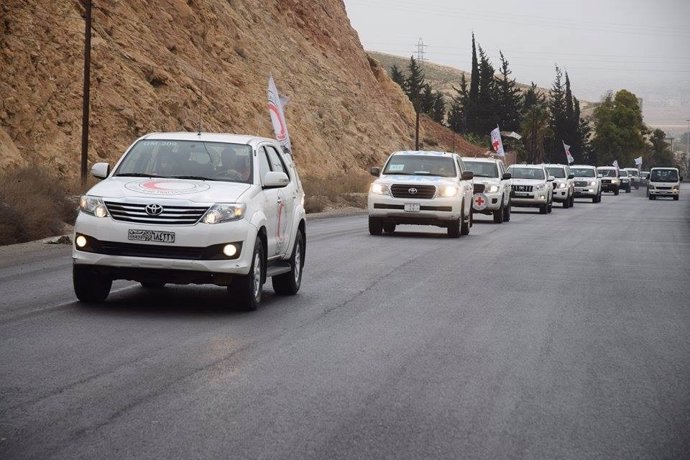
{"type": "Point", "coordinates": [230, 250]}
{"type": "Point", "coordinates": [81, 241]}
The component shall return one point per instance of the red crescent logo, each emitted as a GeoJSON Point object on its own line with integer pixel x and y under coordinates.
{"type": "Point", "coordinates": [276, 112]}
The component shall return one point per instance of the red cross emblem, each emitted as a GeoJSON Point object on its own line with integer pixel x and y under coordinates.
{"type": "Point", "coordinates": [479, 201]}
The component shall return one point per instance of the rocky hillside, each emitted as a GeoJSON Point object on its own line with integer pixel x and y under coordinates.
{"type": "Point", "coordinates": [175, 64]}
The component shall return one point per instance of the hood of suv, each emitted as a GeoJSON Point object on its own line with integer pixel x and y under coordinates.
{"type": "Point", "coordinates": [528, 181]}
{"type": "Point", "coordinates": [487, 180]}
{"type": "Point", "coordinates": [196, 191]}
{"type": "Point", "coordinates": [390, 179]}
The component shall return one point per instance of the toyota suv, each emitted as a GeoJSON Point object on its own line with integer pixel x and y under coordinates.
{"type": "Point", "coordinates": [531, 187]}
{"type": "Point", "coordinates": [587, 182]}
{"type": "Point", "coordinates": [187, 208]}
{"type": "Point", "coordinates": [634, 175]}
{"type": "Point", "coordinates": [626, 181]}
{"type": "Point", "coordinates": [491, 187]}
{"type": "Point", "coordinates": [610, 181]}
{"type": "Point", "coordinates": [563, 184]}
{"type": "Point", "coordinates": [664, 182]}
{"type": "Point", "coordinates": [421, 188]}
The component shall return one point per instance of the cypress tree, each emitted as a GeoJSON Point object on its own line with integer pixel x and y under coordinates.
{"type": "Point", "coordinates": [473, 101]}
{"type": "Point", "coordinates": [457, 114]}
{"type": "Point", "coordinates": [487, 118]}
{"type": "Point", "coordinates": [509, 99]}
{"type": "Point", "coordinates": [557, 108]}
{"type": "Point", "coordinates": [414, 83]}
{"type": "Point", "coordinates": [438, 112]}
{"type": "Point", "coordinates": [397, 76]}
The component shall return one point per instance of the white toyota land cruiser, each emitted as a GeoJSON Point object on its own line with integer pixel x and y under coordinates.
{"type": "Point", "coordinates": [563, 184]}
{"type": "Point", "coordinates": [587, 182]}
{"type": "Point", "coordinates": [421, 188]}
{"type": "Point", "coordinates": [187, 208]}
{"type": "Point", "coordinates": [532, 187]}
{"type": "Point", "coordinates": [491, 187]}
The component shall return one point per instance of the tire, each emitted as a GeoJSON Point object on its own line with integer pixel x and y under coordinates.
{"type": "Point", "coordinates": [499, 214]}
{"type": "Point", "coordinates": [507, 209]}
{"type": "Point", "coordinates": [152, 285]}
{"type": "Point", "coordinates": [652, 197]}
{"type": "Point", "coordinates": [465, 226]}
{"type": "Point", "coordinates": [594, 199]}
{"type": "Point", "coordinates": [375, 226]}
{"type": "Point", "coordinates": [566, 203]}
{"type": "Point", "coordinates": [676, 198]}
{"type": "Point", "coordinates": [549, 207]}
{"type": "Point", "coordinates": [246, 290]}
{"type": "Point", "coordinates": [627, 189]}
{"type": "Point", "coordinates": [616, 191]}
{"type": "Point", "coordinates": [454, 229]}
{"type": "Point", "coordinates": [389, 228]}
{"type": "Point", "coordinates": [290, 282]}
{"type": "Point", "coordinates": [572, 201]}
{"type": "Point", "coordinates": [543, 209]}
{"type": "Point", "coordinates": [90, 285]}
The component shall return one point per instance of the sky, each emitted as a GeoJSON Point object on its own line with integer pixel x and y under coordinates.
{"type": "Point", "coordinates": [639, 45]}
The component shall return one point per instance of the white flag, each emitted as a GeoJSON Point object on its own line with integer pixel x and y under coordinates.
{"type": "Point", "coordinates": [275, 108]}
{"type": "Point", "coordinates": [496, 142]}
{"type": "Point", "coordinates": [615, 163]}
{"type": "Point", "coordinates": [568, 156]}
{"type": "Point", "coordinates": [638, 161]}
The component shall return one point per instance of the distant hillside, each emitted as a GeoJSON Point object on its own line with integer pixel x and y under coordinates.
{"type": "Point", "coordinates": [443, 78]}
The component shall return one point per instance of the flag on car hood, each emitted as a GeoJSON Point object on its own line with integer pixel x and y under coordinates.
{"type": "Point", "coordinates": [496, 142]}
{"type": "Point", "coordinates": [275, 107]}
{"type": "Point", "coordinates": [568, 156]}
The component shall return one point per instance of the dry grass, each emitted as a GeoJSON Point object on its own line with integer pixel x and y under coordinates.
{"type": "Point", "coordinates": [336, 191]}
{"type": "Point", "coordinates": [34, 205]}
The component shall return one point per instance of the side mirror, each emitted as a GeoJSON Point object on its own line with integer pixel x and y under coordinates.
{"type": "Point", "coordinates": [507, 176]}
{"type": "Point", "coordinates": [275, 179]}
{"type": "Point", "coordinates": [551, 179]}
{"type": "Point", "coordinates": [375, 171]}
{"type": "Point", "coordinates": [100, 170]}
{"type": "Point", "coordinates": [467, 175]}
{"type": "Point", "coordinates": [571, 176]}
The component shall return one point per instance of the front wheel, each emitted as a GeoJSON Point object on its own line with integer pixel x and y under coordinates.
{"type": "Point", "coordinates": [499, 214]}
{"type": "Point", "coordinates": [676, 198]}
{"type": "Point", "coordinates": [616, 191]}
{"type": "Point", "coordinates": [506, 217]}
{"type": "Point", "coordinates": [389, 228]}
{"type": "Point", "coordinates": [246, 289]}
{"type": "Point", "coordinates": [375, 226]}
{"type": "Point", "coordinates": [289, 283]}
{"type": "Point", "coordinates": [90, 285]}
{"type": "Point", "coordinates": [454, 229]}
{"type": "Point", "coordinates": [465, 226]}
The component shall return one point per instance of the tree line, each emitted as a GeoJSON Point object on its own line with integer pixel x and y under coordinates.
{"type": "Point", "coordinates": [544, 120]}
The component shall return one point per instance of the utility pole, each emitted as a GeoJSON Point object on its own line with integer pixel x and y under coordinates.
{"type": "Point", "coordinates": [87, 89]}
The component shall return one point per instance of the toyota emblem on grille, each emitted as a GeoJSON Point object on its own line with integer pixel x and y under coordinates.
{"type": "Point", "coordinates": [412, 191]}
{"type": "Point", "coordinates": [154, 209]}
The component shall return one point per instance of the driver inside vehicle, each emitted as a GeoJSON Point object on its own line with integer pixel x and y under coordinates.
{"type": "Point", "coordinates": [233, 166]}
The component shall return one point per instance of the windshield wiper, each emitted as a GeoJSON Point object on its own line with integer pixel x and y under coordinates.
{"type": "Point", "coordinates": [137, 175]}
{"type": "Point", "coordinates": [191, 177]}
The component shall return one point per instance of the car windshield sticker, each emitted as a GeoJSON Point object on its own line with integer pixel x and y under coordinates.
{"type": "Point", "coordinates": [393, 168]}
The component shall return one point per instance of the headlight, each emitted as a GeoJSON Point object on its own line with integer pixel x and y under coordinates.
{"type": "Point", "coordinates": [674, 188]}
{"type": "Point", "coordinates": [379, 189]}
{"type": "Point", "coordinates": [650, 186]}
{"type": "Point", "coordinates": [448, 191]}
{"type": "Point", "coordinates": [539, 187]}
{"type": "Point", "coordinates": [593, 183]}
{"type": "Point", "coordinates": [491, 189]}
{"type": "Point", "coordinates": [93, 205]}
{"type": "Point", "coordinates": [224, 212]}
{"type": "Point", "coordinates": [562, 185]}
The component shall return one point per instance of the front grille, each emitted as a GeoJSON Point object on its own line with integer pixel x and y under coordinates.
{"type": "Point", "coordinates": [171, 215]}
{"type": "Point", "coordinates": [580, 183]}
{"type": "Point", "coordinates": [149, 250]}
{"type": "Point", "coordinates": [424, 192]}
{"type": "Point", "coordinates": [522, 188]}
{"type": "Point", "coordinates": [606, 181]}
{"type": "Point", "coordinates": [664, 188]}
{"type": "Point", "coordinates": [479, 188]}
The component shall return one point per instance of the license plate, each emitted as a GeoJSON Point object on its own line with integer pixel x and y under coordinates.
{"type": "Point", "coordinates": [411, 207]}
{"type": "Point", "coordinates": [151, 235]}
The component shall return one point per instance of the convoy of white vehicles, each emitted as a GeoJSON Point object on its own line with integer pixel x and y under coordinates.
{"type": "Point", "coordinates": [228, 210]}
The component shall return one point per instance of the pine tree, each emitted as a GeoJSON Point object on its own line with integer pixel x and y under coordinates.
{"type": "Point", "coordinates": [427, 99]}
{"type": "Point", "coordinates": [397, 76]}
{"type": "Point", "coordinates": [557, 108]}
{"type": "Point", "coordinates": [457, 120]}
{"type": "Point", "coordinates": [438, 114]}
{"type": "Point", "coordinates": [414, 83]}
{"type": "Point", "coordinates": [487, 118]}
{"type": "Point", "coordinates": [534, 127]}
{"type": "Point", "coordinates": [509, 99]}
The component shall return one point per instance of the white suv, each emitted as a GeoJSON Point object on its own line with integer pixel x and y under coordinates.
{"type": "Point", "coordinates": [587, 182]}
{"type": "Point", "coordinates": [491, 187]}
{"type": "Point", "coordinates": [187, 208]}
{"type": "Point", "coordinates": [610, 179]}
{"type": "Point", "coordinates": [421, 188]}
{"type": "Point", "coordinates": [563, 184]}
{"type": "Point", "coordinates": [531, 187]}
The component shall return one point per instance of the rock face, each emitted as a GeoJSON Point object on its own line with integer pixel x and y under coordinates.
{"type": "Point", "coordinates": [183, 64]}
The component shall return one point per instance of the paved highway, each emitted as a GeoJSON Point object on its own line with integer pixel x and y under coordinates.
{"type": "Point", "coordinates": [552, 336]}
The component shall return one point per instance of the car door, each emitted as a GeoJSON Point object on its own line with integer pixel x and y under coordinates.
{"type": "Point", "coordinates": [286, 201]}
{"type": "Point", "coordinates": [466, 186]}
{"type": "Point", "coordinates": [271, 202]}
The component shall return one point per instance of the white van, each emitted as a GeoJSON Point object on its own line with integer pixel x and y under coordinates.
{"type": "Point", "coordinates": [664, 182]}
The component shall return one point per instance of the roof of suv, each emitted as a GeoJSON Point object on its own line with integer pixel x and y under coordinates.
{"type": "Point", "coordinates": [482, 159]}
{"type": "Point", "coordinates": [422, 152]}
{"type": "Point", "coordinates": [527, 166]}
{"type": "Point", "coordinates": [208, 137]}
{"type": "Point", "coordinates": [583, 166]}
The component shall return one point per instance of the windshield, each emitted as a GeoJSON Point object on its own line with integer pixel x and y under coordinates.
{"type": "Point", "coordinates": [632, 173]}
{"type": "Point", "coordinates": [482, 169]}
{"type": "Point", "coordinates": [188, 160]}
{"type": "Point", "coordinates": [424, 165]}
{"type": "Point", "coordinates": [557, 172]}
{"type": "Point", "coordinates": [623, 173]}
{"type": "Point", "coordinates": [583, 172]}
{"type": "Point", "coordinates": [664, 175]}
{"type": "Point", "coordinates": [607, 172]}
{"type": "Point", "coordinates": [526, 173]}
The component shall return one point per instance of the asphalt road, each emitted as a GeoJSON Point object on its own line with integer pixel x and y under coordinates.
{"type": "Point", "coordinates": [552, 336]}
